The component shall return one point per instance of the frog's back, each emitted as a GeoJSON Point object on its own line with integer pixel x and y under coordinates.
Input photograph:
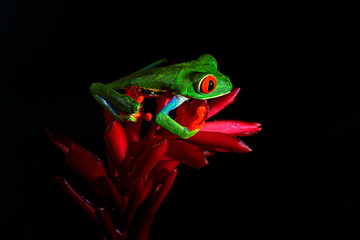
{"type": "Point", "coordinates": [160, 78]}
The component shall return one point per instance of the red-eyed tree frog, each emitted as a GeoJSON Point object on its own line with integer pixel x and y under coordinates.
{"type": "Point", "coordinates": [198, 79]}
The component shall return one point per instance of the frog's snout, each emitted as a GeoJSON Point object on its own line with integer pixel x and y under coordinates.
{"type": "Point", "coordinates": [95, 87]}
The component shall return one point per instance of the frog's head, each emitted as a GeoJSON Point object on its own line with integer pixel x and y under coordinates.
{"type": "Point", "coordinates": [202, 80]}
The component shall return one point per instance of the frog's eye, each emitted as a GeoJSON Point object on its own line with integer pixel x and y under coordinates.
{"type": "Point", "coordinates": [207, 84]}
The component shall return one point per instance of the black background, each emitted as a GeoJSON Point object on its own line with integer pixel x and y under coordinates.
{"type": "Point", "coordinates": [294, 65]}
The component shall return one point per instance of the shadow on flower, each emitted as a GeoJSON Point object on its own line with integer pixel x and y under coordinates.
{"type": "Point", "coordinates": [140, 171]}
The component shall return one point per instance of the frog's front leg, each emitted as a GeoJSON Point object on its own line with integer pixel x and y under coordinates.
{"type": "Point", "coordinates": [115, 102]}
{"type": "Point", "coordinates": [164, 120]}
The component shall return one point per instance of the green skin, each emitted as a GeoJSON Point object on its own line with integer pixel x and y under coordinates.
{"type": "Point", "coordinates": [182, 79]}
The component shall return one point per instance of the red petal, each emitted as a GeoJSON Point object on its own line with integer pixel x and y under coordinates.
{"type": "Point", "coordinates": [148, 160]}
{"type": "Point", "coordinates": [85, 164]}
{"type": "Point", "coordinates": [157, 175]}
{"type": "Point", "coordinates": [142, 192]}
{"type": "Point", "coordinates": [142, 231]}
{"type": "Point", "coordinates": [132, 135]}
{"type": "Point", "coordinates": [219, 140]}
{"type": "Point", "coordinates": [108, 118]}
{"type": "Point", "coordinates": [90, 168]}
{"type": "Point", "coordinates": [186, 153]}
{"type": "Point", "coordinates": [76, 197]}
{"type": "Point", "coordinates": [165, 134]}
{"type": "Point", "coordinates": [108, 224]}
{"type": "Point", "coordinates": [61, 141]}
{"type": "Point", "coordinates": [232, 127]}
{"type": "Point", "coordinates": [220, 103]}
{"type": "Point", "coordinates": [132, 92]}
{"type": "Point", "coordinates": [115, 139]}
{"type": "Point", "coordinates": [134, 202]}
{"type": "Point", "coordinates": [159, 195]}
{"type": "Point", "coordinates": [163, 168]}
{"type": "Point", "coordinates": [208, 151]}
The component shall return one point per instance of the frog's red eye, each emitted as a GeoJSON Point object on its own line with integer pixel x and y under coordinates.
{"type": "Point", "coordinates": [207, 84]}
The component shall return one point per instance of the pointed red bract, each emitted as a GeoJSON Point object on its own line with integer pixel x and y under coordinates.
{"type": "Point", "coordinates": [134, 202]}
{"type": "Point", "coordinates": [108, 118]}
{"type": "Point", "coordinates": [142, 231]}
{"type": "Point", "coordinates": [91, 169]}
{"type": "Point", "coordinates": [61, 141]}
{"type": "Point", "coordinates": [76, 197]}
{"type": "Point", "coordinates": [148, 160]}
{"type": "Point", "coordinates": [159, 195]}
{"type": "Point", "coordinates": [232, 127]}
{"type": "Point", "coordinates": [186, 153]}
{"type": "Point", "coordinates": [132, 135]}
{"type": "Point", "coordinates": [116, 142]}
{"type": "Point", "coordinates": [158, 174]}
{"type": "Point", "coordinates": [219, 140]}
{"type": "Point", "coordinates": [107, 222]}
{"type": "Point", "coordinates": [84, 163]}
{"type": "Point", "coordinates": [220, 103]}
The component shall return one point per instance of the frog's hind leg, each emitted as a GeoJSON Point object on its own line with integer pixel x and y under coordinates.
{"type": "Point", "coordinates": [116, 103]}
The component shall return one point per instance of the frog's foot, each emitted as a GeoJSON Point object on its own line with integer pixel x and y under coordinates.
{"type": "Point", "coordinates": [146, 116]}
{"type": "Point", "coordinates": [120, 106]}
{"type": "Point", "coordinates": [192, 115]}
{"type": "Point", "coordinates": [198, 120]}
{"type": "Point", "coordinates": [137, 115]}
{"type": "Point", "coordinates": [134, 117]}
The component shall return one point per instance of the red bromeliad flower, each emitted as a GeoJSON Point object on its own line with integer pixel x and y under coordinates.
{"type": "Point", "coordinates": [141, 171]}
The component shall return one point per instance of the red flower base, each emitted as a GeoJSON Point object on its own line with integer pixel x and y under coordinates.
{"type": "Point", "coordinates": [140, 172]}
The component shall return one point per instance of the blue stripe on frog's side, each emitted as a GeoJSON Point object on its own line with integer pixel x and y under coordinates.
{"type": "Point", "coordinates": [108, 104]}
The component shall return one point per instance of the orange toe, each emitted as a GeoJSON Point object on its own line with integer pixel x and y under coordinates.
{"type": "Point", "coordinates": [140, 99]}
{"type": "Point", "coordinates": [148, 116]}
